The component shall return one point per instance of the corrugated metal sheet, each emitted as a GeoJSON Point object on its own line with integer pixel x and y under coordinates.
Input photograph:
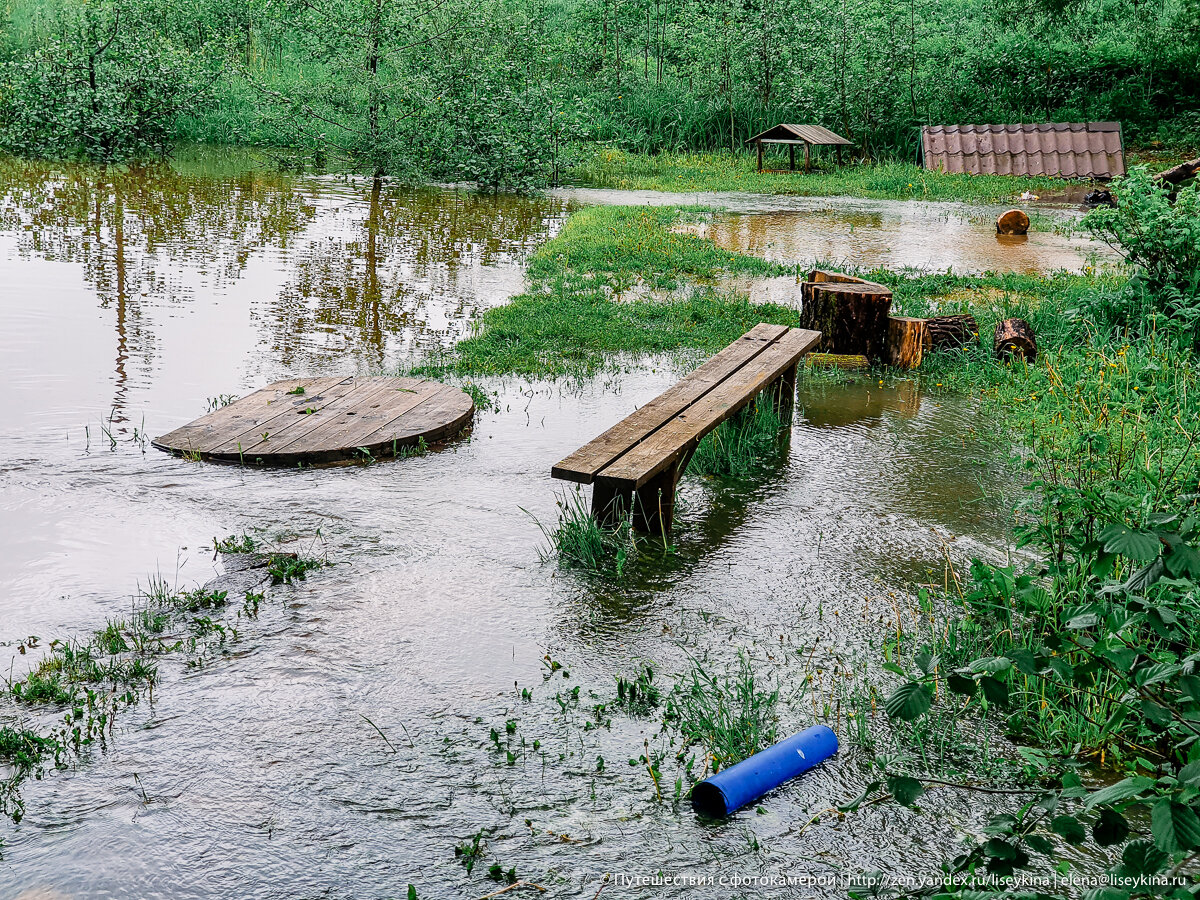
{"type": "Point", "coordinates": [810, 134]}
{"type": "Point", "coordinates": [1067, 149]}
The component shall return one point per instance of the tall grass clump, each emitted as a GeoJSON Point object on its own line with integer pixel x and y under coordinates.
{"type": "Point", "coordinates": [577, 540]}
{"type": "Point", "coordinates": [742, 444]}
{"type": "Point", "coordinates": [728, 714]}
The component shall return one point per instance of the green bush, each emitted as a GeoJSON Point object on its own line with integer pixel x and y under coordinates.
{"type": "Point", "coordinates": [1161, 241]}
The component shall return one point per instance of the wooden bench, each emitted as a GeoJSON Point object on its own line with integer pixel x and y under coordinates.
{"type": "Point", "coordinates": [640, 459]}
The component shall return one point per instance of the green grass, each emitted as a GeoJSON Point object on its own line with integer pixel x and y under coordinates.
{"type": "Point", "coordinates": [578, 541]}
{"type": "Point", "coordinates": [581, 308]}
{"type": "Point", "coordinates": [742, 444]}
{"type": "Point", "coordinates": [690, 172]}
{"type": "Point", "coordinates": [727, 714]}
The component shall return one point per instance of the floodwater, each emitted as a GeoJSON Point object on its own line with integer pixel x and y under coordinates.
{"type": "Point", "coordinates": [892, 234]}
{"type": "Point", "coordinates": [128, 299]}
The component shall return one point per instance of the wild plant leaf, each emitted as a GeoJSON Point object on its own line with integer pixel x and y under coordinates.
{"type": "Point", "coordinates": [992, 665]}
{"type": "Point", "coordinates": [1069, 829]}
{"type": "Point", "coordinates": [904, 789]}
{"type": "Point", "coordinates": [1157, 673]}
{"type": "Point", "coordinates": [909, 701]}
{"type": "Point", "coordinates": [1145, 578]}
{"type": "Point", "coordinates": [994, 689]}
{"type": "Point", "coordinates": [1042, 845]}
{"type": "Point", "coordinates": [960, 684]}
{"type": "Point", "coordinates": [926, 661]}
{"type": "Point", "coordinates": [1140, 545]}
{"type": "Point", "coordinates": [861, 798]}
{"type": "Point", "coordinates": [1125, 789]}
{"type": "Point", "coordinates": [1175, 826]}
{"type": "Point", "coordinates": [1190, 684]}
{"type": "Point", "coordinates": [1110, 828]}
{"type": "Point", "coordinates": [1142, 858]}
{"type": "Point", "coordinates": [1024, 660]}
{"type": "Point", "coordinates": [1156, 713]}
{"type": "Point", "coordinates": [1184, 560]}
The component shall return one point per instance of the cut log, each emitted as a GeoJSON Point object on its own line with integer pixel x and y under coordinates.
{"type": "Point", "coordinates": [1177, 175]}
{"type": "Point", "coordinates": [950, 332]}
{"type": "Point", "coordinates": [1013, 222]}
{"type": "Point", "coordinates": [852, 317]}
{"type": "Point", "coordinates": [1014, 337]}
{"type": "Point", "coordinates": [906, 341]}
{"type": "Point", "coordinates": [820, 276]}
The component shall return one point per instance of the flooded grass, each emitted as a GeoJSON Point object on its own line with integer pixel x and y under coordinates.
{"type": "Point", "coordinates": [447, 687]}
{"type": "Point", "coordinates": [574, 316]}
{"type": "Point", "coordinates": [743, 444]}
{"type": "Point", "coordinates": [724, 172]}
{"type": "Point", "coordinates": [727, 714]}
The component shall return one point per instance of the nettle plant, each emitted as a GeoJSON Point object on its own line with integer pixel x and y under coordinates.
{"type": "Point", "coordinates": [1104, 664]}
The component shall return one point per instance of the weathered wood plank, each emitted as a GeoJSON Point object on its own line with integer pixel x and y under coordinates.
{"type": "Point", "coordinates": [678, 436]}
{"type": "Point", "coordinates": [380, 414]}
{"type": "Point", "coordinates": [336, 425]}
{"type": "Point", "coordinates": [584, 463]}
{"type": "Point", "coordinates": [221, 424]}
{"type": "Point", "coordinates": [280, 415]}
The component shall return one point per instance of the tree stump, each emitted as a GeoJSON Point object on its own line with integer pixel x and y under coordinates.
{"type": "Point", "coordinates": [1014, 337]}
{"type": "Point", "coordinates": [1013, 222]}
{"type": "Point", "coordinates": [950, 332]}
{"type": "Point", "coordinates": [851, 316]}
{"type": "Point", "coordinates": [906, 341]}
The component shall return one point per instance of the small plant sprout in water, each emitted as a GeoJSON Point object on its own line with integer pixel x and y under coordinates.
{"type": "Point", "coordinates": [219, 402]}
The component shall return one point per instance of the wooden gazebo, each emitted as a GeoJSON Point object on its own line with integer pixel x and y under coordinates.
{"type": "Point", "coordinates": [808, 135]}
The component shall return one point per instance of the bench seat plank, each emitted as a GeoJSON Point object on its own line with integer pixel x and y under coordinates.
{"type": "Point", "coordinates": [679, 435]}
{"type": "Point", "coordinates": [583, 465]}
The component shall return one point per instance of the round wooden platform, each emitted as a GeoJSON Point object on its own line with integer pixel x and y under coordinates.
{"type": "Point", "coordinates": [316, 420]}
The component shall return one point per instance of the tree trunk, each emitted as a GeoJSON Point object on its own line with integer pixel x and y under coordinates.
{"type": "Point", "coordinates": [1014, 337]}
{"type": "Point", "coordinates": [906, 341]}
{"type": "Point", "coordinates": [852, 318]}
{"type": "Point", "coordinates": [951, 332]}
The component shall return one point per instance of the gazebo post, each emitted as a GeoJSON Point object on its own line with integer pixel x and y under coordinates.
{"type": "Point", "coordinates": [792, 156]}
{"type": "Point", "coordinates": [806, 156]}
{"type": "Point", "coordinates": [759, 143]}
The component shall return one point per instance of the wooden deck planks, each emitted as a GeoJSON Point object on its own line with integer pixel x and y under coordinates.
{"type": "Point", "coordinates": [225, 423]}
{"type": "Point", "coordinates": [583, 465]}
{"type": "Point", "coordinates": [348, 415]}
{"type": "Point", "coordinates": [335, 423]}
{"type": "Point", "coordinates": [678, 436]}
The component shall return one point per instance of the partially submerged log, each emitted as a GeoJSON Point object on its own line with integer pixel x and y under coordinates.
{"type": "Point", "coordinates": [1015, 337]}
{"type": "Point", "coordinates": [836, 361]}
{"type": "Point", "coordinates": [1013, 222]}
{"type": "Point", "coordinates": [906, 341]}
{"type": "Point", "coordinates": [951, 332]}
{"type": "Point", "coordinates": [1177, 175]}
{"type": "Point", "coordinates": [851, 316]}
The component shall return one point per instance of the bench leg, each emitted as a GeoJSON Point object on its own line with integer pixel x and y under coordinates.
{"type": "Point", "coordinates": [610, 503]}
{"type": "Point", "coordinates": [654, 503]}
{"type": "Point", "coordinates": [785, 394]}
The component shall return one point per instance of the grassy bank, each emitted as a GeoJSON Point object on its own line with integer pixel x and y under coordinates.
{"type": "Point", "coordinates": [691, 172]}
{"type": "Point", "coordinates": [605, 285]}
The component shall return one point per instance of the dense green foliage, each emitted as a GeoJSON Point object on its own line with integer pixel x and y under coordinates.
{"type": "Point", "coordinates": [511, 91]}
{"type": "Point", "coordinates": [1087, 653]}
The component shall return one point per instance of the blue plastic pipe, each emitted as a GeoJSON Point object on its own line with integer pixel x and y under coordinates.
{"type": "Point", "coordinates": [745, 782]}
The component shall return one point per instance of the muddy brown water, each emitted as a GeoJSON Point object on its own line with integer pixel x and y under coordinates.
{"type": "Point", "coordinates": [129, 298]}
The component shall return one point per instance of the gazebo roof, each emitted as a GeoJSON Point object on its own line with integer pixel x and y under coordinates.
{"type": "Point", "coordinates": [805, 134]}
